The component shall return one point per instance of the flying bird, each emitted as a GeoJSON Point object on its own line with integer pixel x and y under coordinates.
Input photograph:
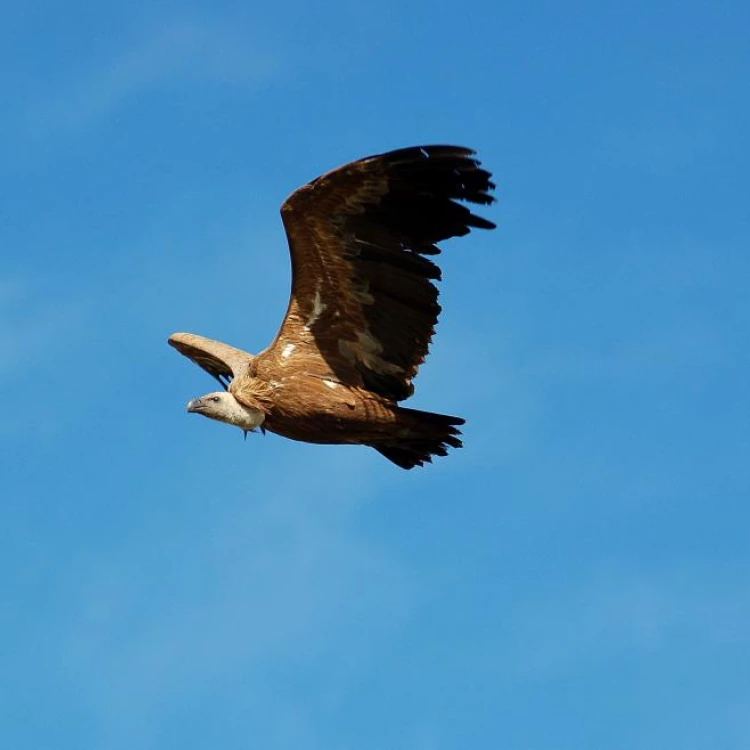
{"type": "Point", "coordinates": [362, 311]}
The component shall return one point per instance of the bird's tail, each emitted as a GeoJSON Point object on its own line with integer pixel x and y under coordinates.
{"type": "Point", "coordinates": [417, 436]}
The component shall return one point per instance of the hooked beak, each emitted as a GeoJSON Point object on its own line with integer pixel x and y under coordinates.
{"type": "Point", "coordinates": [196, 405]}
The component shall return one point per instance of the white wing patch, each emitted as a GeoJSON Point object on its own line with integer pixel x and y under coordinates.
{"type": "Point", "coordinates": [362, 293]}
{"type": "Point", "coordinates": [317, 310]}
{"type": "Point", "coordinates": [367, 350]}
{"type": "Point", "coordinates": [287, 351]}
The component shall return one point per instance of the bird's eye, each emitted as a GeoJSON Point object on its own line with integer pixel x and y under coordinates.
{"type": "Point", "coordinates": [215, 399]}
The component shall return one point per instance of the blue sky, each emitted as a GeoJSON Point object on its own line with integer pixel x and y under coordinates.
{"type": "Point", "coordinates": [577, 577]}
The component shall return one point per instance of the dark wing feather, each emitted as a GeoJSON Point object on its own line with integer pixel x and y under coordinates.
{"type": "Point", "coordinates": [363, 297]}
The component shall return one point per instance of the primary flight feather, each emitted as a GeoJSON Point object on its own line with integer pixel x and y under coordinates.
{"type": "Point", "coordinates": [362, 311]}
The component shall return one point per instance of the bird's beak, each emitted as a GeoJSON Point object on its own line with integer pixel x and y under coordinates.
{"type": "Point", "coordinates": [195, 405]}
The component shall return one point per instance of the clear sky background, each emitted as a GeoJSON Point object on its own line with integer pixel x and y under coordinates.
{"type": "Point", "coordinates": [576, 578]}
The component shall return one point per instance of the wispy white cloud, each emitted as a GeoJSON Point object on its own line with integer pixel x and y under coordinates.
{"type": "Point", "coordinates": [646, 357]}
{"type": "Point", "coordinates": [599, 621]}
{"type": "Point", "coordinates": [182, 50]}
{"type": "Point", "coordinates": [282, 579]}
{"type": "Point", "coordinates": [27, 330]}
{"type": "Point", "coordinates": [34, 334]}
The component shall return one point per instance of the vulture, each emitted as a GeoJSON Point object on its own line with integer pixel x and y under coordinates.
{"type": "Point", "coordinates": [362, 311]}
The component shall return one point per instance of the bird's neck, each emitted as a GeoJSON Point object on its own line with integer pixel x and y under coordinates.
{"type": "Point", "coordinates": [245, 417]}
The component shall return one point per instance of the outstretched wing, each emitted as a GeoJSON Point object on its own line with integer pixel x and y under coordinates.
{"type": "Point", "coordinates": [364, 303]}
{"type": "Point", "coordinates": [220, 360]}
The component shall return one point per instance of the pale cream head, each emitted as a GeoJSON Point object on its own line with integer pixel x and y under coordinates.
{"type": "Point", "coordinates": [224, 407]}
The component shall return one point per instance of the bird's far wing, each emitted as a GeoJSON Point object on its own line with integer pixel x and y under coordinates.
{"type": "Point", "coordinates": [363, 299]}
{"type": "Point", "coordinates": [220, 360]}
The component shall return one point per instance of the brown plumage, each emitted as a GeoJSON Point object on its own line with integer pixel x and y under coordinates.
{"type": "Point", "coordinates": [362, 311]}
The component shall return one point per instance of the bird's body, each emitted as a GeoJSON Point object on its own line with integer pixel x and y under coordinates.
{"type": "Point", "coordinates": [362, 310]}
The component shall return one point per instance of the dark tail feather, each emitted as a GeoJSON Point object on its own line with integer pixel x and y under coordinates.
{"type": "Point", "coordinates": [420, 436]}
